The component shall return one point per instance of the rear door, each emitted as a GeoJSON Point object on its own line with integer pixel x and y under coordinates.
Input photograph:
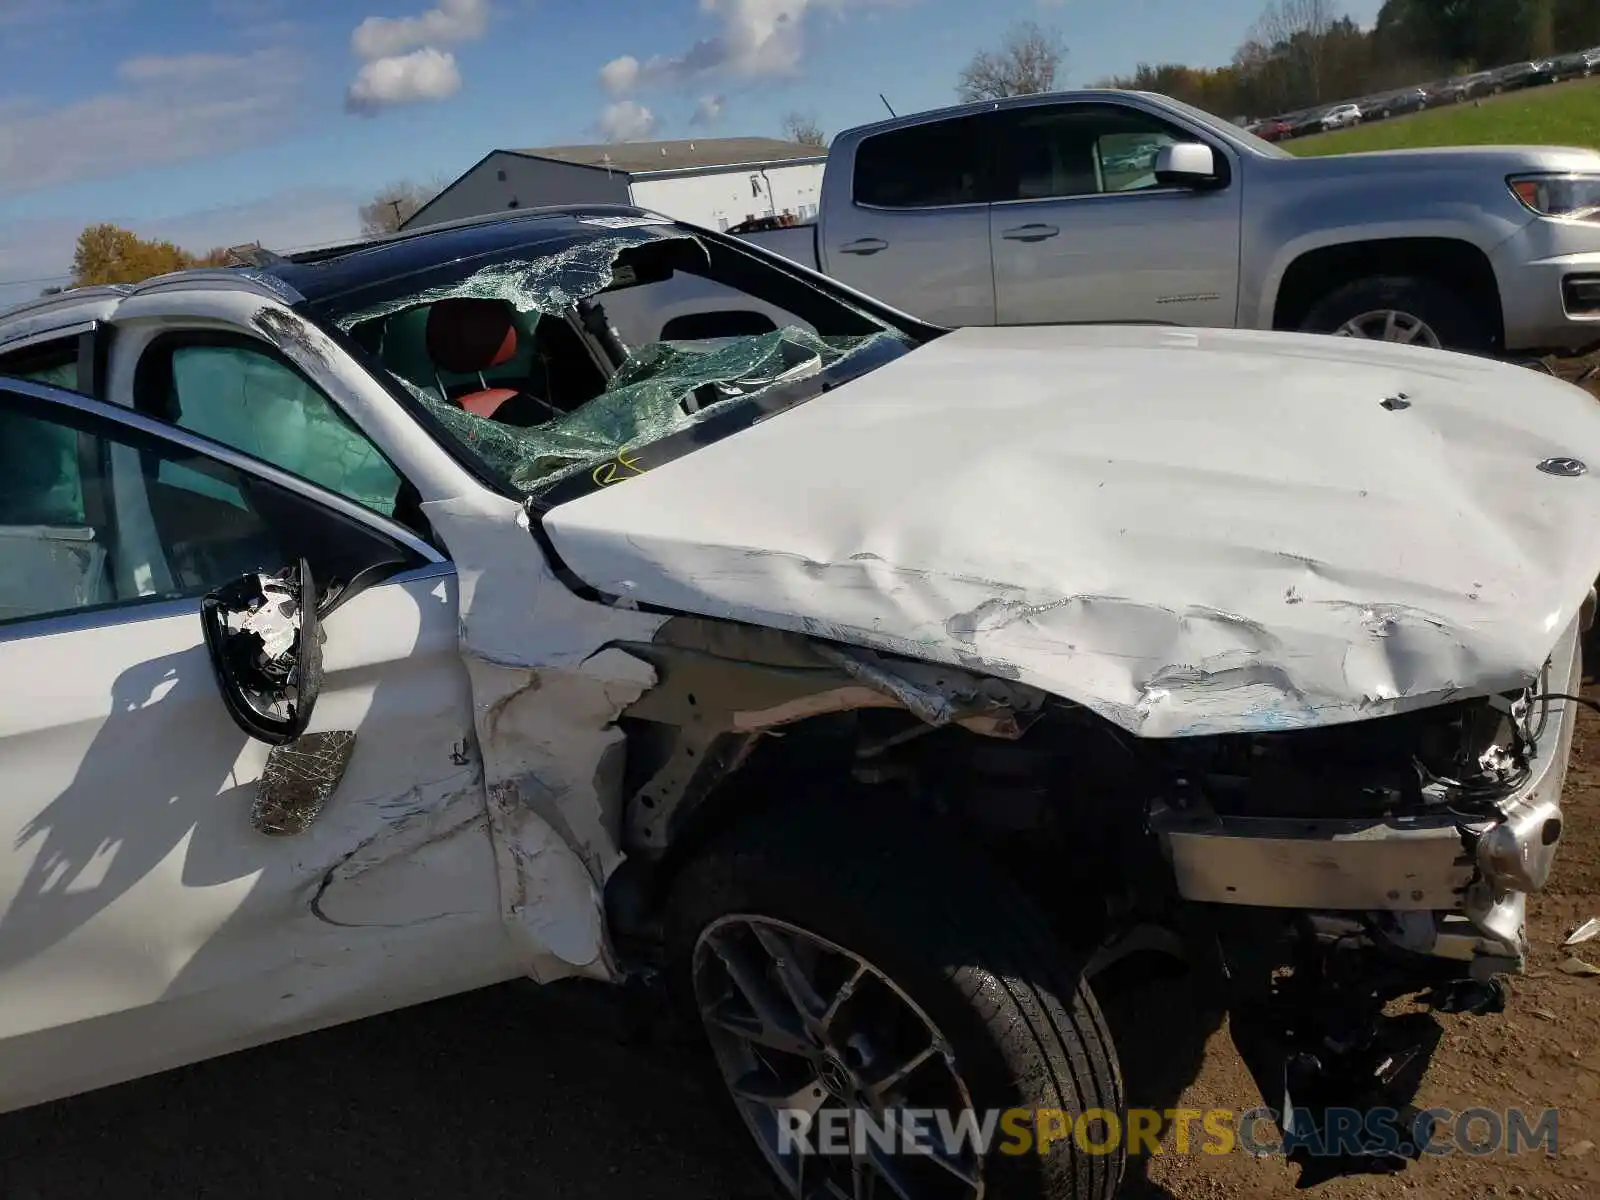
{"type": "Point", "coordinates": [154, 909]}
{"type": "Point", "coordinates": [915, 231]}
{"type": "Point", "coordinates": [1081, 230]}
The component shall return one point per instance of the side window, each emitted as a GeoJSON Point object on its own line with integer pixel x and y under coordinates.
{"type": "Point", "coordinates": [925, 166]}
{"type": "Point", "coordinates": [251, 400]}
{"type": "Point", "coordinates": [1060, 151]}
{"type": "Point", "coordinates": [94, 515]}
{"type": "Point", "coordinates": [53, 363]}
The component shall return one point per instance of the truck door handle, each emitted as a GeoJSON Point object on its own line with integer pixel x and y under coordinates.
{"type": "Point", "coordinates": [864, 246]}
{"type": "Point", "coordinates": [1030, 233]}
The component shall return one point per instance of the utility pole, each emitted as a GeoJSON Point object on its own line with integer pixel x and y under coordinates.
{"type": "Point", "coordinates": [395, 204]}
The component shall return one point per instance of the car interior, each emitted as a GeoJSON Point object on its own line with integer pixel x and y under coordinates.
{"type": "Point", "coordinates": [525, 368]}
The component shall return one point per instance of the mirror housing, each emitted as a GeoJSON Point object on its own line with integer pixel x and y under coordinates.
{"type": "Point", "coordinates": [1187, 164]}
{"type": "Point", "coordinates": [265, 641]}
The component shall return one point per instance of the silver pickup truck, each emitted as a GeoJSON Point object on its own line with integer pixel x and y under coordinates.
{"type": "Point", "coordinates": [1128, 206]}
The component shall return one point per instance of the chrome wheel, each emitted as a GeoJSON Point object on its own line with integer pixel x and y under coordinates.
{"type": "Point", "coordinates": [813, 1039]}
{"type": "Point", "coordinates": [1388, 325]}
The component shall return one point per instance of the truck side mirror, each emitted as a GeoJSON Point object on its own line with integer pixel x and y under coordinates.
{"type": "Point", "coordinates": [265, 641]}
{"type": "Point", "coordinates": [1186, 164]}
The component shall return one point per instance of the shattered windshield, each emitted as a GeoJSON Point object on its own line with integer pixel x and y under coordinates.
{"type": "Point", "coordinates": [569, 357]}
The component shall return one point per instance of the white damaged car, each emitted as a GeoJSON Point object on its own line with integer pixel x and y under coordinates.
{"type": "Point", "coordinates": [576, 593]}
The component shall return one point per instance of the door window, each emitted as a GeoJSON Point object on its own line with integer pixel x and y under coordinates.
{"type": "Point", "coordinates": [248, 398]}
{"type": "Point", "coordinates": [932, 165]}
{"type": "Point", "coordinates": [93, 514]}
{"type": "Point", "coordinates": [1058, 151]}
{"type": "Point", "coordinates": [54, 363]}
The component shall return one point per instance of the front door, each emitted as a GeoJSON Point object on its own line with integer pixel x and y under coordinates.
{"type": "Point", "coordinates": [149, 913]}
{"type": "Point", "coordinates": [1081, 230]}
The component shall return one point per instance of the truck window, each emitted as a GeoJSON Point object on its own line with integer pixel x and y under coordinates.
{"type": "Point", "coordinates": [932, 165]}
{"type": "Point", "coordinates": [1050, 152]}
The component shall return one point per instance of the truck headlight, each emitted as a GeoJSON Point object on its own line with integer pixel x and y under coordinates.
{"type": "Point", "coordinates": [1576, 197]}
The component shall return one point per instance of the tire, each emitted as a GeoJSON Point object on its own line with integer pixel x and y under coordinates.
{"type": "Point", "coordinates": [1453, 322]}
{"type": "Point", "coordinates": [952, 936]}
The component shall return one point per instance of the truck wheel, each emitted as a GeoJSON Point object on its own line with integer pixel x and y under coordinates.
{"type": "Point", "coordinates": [848, 966]}
{"type": "Point", "coordinates": [1400, 308]}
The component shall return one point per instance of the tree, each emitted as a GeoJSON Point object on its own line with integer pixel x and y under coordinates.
{"type": "Point", "coordinates": [1295, 32]}
{"type": "Point", "coordinates": [803, 128]}
{"type": "Point", "coordinates": [108, 253]}
{"type": "Point", "coordinates": [1026, 63]}
{"type": "Point", "coordinates": [394, 205]}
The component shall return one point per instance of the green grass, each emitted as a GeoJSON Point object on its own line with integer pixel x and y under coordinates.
{"type": "Point", "coordinates": [1563, 114]}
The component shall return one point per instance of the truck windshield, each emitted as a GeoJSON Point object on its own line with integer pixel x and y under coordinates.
{"type": "Point", "coordinates": [557, 365]}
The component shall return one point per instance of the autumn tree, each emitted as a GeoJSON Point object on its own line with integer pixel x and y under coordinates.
{"type": "Point", "coordinates": [394, 205]}
{"type": "Point", "coordinates": [1027, 62]}
{"type": "Point", "coordinates": [108, 253]}
{"type": "Point", "coordinates": [804, 129]}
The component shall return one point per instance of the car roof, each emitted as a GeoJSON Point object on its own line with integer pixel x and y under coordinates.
{"type": "Point", "coordinates": [329, 271]}
{"type": "Point", "coordinates": [320, 275]}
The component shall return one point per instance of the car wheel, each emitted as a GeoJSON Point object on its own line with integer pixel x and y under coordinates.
{"type": "Point", "coordinates": [846, 965]}
{"type": "Point", "coordinates": [1400, 308]}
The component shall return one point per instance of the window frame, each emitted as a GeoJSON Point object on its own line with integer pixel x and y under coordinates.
{"type": "Point", "coordinates": [986, 165]}
{"type": "Point", "coordinates": [1225, 164]}
{"type": "Point", "coordinates": [155, 367]}
{"type": "Point", "coordinates": [106, 422]}
{"type": "Point", "coordinates": [86, 344]}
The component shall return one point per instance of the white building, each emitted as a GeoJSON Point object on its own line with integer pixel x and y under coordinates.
{"type": "Point", "coordinates": [713, 182]}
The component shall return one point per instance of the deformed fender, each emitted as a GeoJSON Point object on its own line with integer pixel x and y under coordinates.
{"type": "Point", "coordinates": [546, 694]}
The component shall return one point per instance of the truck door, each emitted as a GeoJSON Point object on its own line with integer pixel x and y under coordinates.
{"type": "Point", "coordinates": [1081, 230]}
{"type": "Point", "coordinates": [912, 226]}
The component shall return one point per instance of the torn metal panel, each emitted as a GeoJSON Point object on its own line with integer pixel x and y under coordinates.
{"type": "Point", "coordinates": [546, 694]}
{"type": "Point", "coordinates": [1216, 534]}
{"type": "Point", "coordinates": [556, 742]}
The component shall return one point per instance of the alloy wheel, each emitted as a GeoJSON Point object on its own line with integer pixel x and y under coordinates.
{"type": "Point", "coordinates": [1389, 325]}
{"type": "Point", "coordinates": [799, 1026]}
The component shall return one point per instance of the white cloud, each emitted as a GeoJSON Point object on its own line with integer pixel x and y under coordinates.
{"type": "Point", "coordinates": [620, 75]}
{"type": "Point", "coordinates": [756, 39]}
{"type": "Point", "coordinates": [453, 21]}
{"type": "Point", "coordinates": [404, 63]}
{"type": "Point", "coordinates": [161, 110]}
{"type": "Point", "coordinates": [626, 121]}
{"type": "Point", "coordinates": [425, 74]}
{"type": "Point", "coordinates": [41, 249]}
{"type": "Point", "coordinates": [708, 110]}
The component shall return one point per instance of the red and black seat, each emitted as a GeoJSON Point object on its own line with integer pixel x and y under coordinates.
{"type": "Point", "coordinates": [467, 335]}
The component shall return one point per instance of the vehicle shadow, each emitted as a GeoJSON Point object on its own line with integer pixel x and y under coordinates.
{"type": "Point", "coordinates": [111, 825]}
{"type": "Point", "coordinates": [507, 1091]}
{"type": "Point", "coordinates": [1161, 1018]}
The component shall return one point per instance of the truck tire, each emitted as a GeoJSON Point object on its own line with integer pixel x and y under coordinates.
{"type": "Point", "coordinates": [872, 942]}
{"type": "Point", "coordinates": [1400, 308]}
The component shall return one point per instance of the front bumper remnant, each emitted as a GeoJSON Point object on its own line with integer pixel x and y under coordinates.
{"type": "Point", "coordinates": [1441, 884]}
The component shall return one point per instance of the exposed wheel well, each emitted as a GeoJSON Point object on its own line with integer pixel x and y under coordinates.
{"type": "Point", "coordinates": [1458, 265]}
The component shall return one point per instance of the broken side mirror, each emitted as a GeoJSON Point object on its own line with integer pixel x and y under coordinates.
{"type": "Point", "coordinates": [265, 641]}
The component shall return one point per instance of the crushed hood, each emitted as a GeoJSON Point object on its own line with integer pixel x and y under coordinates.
{"type": "Point", "coordinates": [1188, 531]}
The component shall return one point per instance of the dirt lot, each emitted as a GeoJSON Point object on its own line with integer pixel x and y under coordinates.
{"type": "Point", "coordinates": [512, 1091]}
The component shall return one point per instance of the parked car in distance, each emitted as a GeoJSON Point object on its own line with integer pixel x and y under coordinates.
{"type": "Point", "coordinates": [1011, 213]}
{"type": "Point", "coordinates": [1579, 65]}
{"type": "Point", "coordinates": [547, 595]}
{"type": "Point", "coordinates": [1467, 87]}
{"type": "Point", "coordinates": [1534, 73]}
{"type": "Point", "coordinates": [1407, 100]}
{"type": "Point", "coordinates": [1341, 116]}
{"type": "Point", "coordinates": [1274, 129]}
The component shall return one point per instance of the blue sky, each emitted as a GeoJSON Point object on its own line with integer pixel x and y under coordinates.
{"type": "Point", "coordinates": [215, 121]}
